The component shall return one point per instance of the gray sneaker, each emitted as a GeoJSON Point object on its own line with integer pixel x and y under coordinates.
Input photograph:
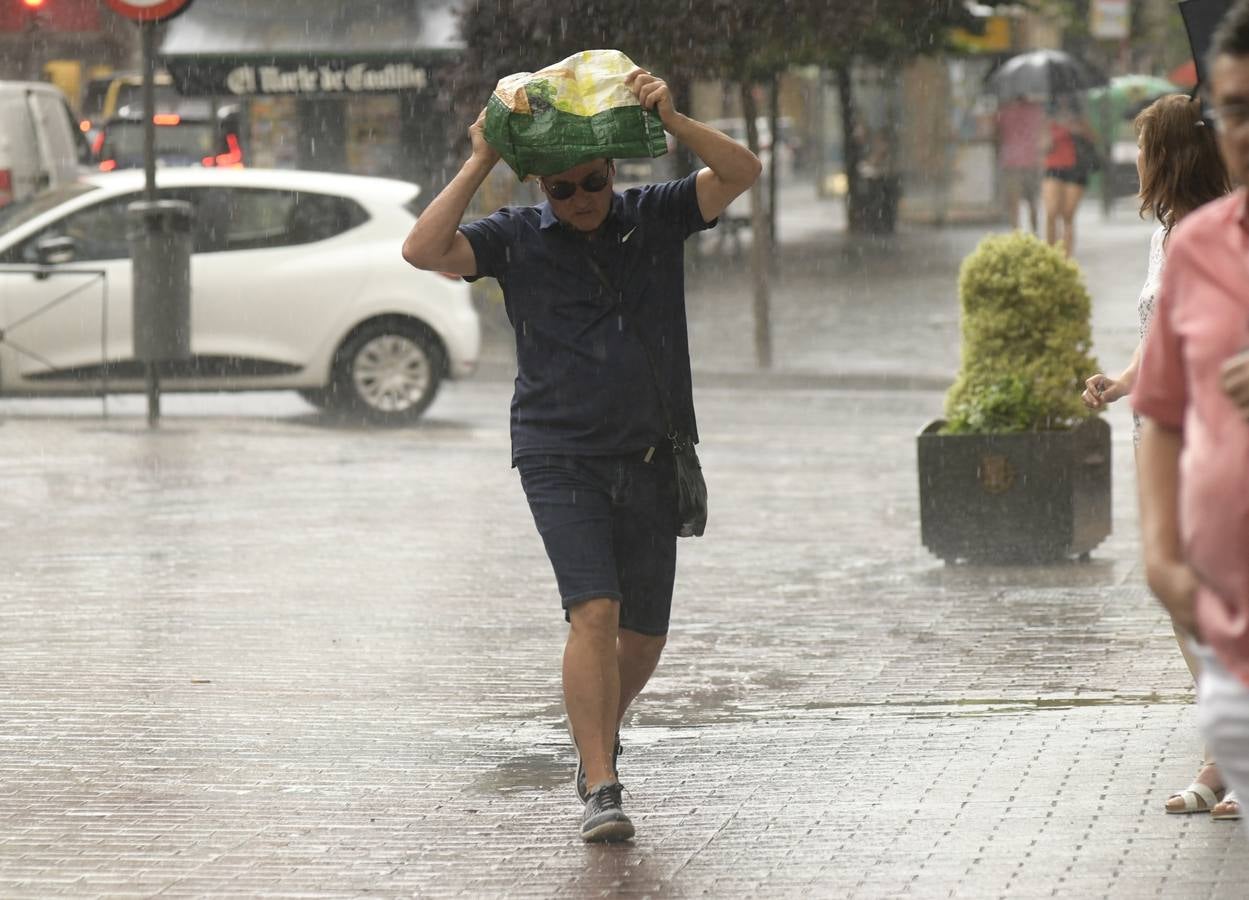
{"type": "Point", "coordinates": [583, 791]}
{"type": "Point", "coordinates": [604, 819]}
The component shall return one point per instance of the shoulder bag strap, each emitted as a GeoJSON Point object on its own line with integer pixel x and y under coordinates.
{"type": "Point", "coordinates": [659, 385]}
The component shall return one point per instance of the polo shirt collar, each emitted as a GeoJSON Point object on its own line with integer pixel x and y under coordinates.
{"type": "Point", "coordinates": [618, 213]}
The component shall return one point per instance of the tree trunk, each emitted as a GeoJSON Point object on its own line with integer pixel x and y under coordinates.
{"type": "Point", "coordinates": [760, 246]}
{"type": "Point", "coordinates": [850, 146]}
{"type": "Point", "coordinates": [774, 127]}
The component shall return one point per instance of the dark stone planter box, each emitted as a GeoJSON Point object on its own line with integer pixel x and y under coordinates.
{"type": "Point", "coordinates": [1012, 498]}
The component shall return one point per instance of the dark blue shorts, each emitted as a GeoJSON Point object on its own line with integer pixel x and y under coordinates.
{"type": "Point", "coordinates": [609, 526]}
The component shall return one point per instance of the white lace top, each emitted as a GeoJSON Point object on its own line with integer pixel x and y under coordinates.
{"type": "Point", "coordinates": [1153, 279]}
{"type": "Point", "coordinates": [1145, 304]}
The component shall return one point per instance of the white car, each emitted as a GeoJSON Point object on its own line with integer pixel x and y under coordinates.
{"type": "Point", "coordinates": [296, 282]}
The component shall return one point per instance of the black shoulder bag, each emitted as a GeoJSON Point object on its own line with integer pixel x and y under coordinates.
{"type": "Point", "coordinates": [691, 487]}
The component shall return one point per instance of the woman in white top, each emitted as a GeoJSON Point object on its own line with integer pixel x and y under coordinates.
{"type": "Point", "coordinates": [1180, 169]}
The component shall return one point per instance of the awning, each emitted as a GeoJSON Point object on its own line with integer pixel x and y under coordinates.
{"type": "Point", "coordinates": [308, 47]}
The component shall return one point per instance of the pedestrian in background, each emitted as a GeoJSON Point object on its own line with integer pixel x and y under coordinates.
{"type": "Point", "coordinates": [1180, 170]}
{"type": "Point", "coordinates": [1068, 164]}
{"type": "Point", "coordinates": [1020, 136]}
{"type": "Point", "coordinates": [593, 282]}
{"type": "Point", "coordinates": [1194, 481]}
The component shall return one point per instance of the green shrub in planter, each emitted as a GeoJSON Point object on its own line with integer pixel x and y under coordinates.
{"type": "Point", "coordinates": [1019, 471]}
{"type": "Point", "coordinates": [1026, 340]}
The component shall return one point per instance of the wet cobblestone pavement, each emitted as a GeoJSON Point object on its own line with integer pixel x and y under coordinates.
{"type": "Point", "coordinates": [255, 654]}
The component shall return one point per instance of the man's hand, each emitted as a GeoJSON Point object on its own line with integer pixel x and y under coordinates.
{"type": "Point", "coordinates": [1234, 378]}
{"type": "Point", "coordinates": [1100, 390]}
{"type": "Point", "coordinates": [1175, 584]}
{"type": "Point", "coordinates": [652, 93]}
{"type": "Point", "coordinates": [477, 134]}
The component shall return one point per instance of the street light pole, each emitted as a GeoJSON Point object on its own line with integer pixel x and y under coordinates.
{"type": "Point", "coordinates": [148, 29]}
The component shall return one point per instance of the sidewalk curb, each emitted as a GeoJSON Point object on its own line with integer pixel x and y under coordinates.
{"type": "Point", "coordinates": [780, 379]}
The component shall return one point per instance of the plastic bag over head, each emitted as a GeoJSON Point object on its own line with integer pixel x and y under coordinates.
{"type": "Point", "coordinates": [579, 109]}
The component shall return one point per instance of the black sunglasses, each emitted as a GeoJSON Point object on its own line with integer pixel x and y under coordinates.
{"type": "Point", "coordinates": [562, 190]}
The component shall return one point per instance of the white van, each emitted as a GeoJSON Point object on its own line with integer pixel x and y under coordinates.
{"type": "Point", "coordinates": [40, 146]}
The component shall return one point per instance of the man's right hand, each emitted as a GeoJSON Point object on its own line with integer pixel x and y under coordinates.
{"type": "Point", "coordinates": [1234, 378]}
{"type": "Point", "coordinates": [477, 134]}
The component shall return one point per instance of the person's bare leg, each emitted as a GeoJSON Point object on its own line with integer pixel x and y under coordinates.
{"type": "Point", "coordinates": [638, 654]}
{"type": "Point", "coordinates": [592, 684]}
{"type": "Point", "coordinates": [1209, 773]}
{"type": "Point", "coordinates": [1070, 203]}
{"type": "Point", "coordinates": [1051, 196]}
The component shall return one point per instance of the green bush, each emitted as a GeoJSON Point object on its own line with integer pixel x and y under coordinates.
{"type": "Point", "coordinates": [1026, 339]}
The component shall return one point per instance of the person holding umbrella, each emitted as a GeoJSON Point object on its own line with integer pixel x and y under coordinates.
{"type": "Point", "coordinates": [1068, 164]}
{"type": "Point", "coordinates": [1180, 170]}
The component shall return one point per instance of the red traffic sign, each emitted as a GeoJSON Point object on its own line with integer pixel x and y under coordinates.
{"type": "Point", "coordinates": [148, 10]}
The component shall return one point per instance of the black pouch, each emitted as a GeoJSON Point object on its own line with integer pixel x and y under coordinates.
{"type": "Point", "coordinates": [691, 490]}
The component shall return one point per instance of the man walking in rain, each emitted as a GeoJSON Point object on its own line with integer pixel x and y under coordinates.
{"type": "Point", "coordinates": [593, 281]}
{"type": "Point", "coordinates": [1193, 392]}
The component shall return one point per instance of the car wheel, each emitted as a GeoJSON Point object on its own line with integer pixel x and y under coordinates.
{"type": "Point", "coordinates": [388, 372]}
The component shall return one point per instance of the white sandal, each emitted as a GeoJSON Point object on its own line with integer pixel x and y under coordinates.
{"type": "Point", "coordinates": [1197, 797]}
{"type": "Point", "coordinates": [1229, 797]}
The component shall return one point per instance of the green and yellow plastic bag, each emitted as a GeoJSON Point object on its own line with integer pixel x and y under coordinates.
{"type": "Point", "coordinates": [579, 109]}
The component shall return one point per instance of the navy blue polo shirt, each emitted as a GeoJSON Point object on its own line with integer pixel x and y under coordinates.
{"type": "Point", "coordinates": [583, 382]}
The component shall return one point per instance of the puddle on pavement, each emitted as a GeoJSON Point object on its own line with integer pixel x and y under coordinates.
{"type": "Point", "coordinates": [527, 772]}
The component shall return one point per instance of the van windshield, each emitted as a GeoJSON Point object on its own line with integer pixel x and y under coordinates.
{"type": "Point", "coordinates": [22, 211]}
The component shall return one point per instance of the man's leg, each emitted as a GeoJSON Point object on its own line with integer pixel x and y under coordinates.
{"type": "Point", "coordinates": [1010, 196]}
{"type": "Point", "coordinates": [637, 656]}
{"type": "Point", "coordinates": [592, 685]}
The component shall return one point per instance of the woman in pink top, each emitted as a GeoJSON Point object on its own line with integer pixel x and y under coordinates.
{"type": "Point", "coordinates": [1180, 170]}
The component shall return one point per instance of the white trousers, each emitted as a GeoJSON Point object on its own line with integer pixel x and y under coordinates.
{"type": "Point", "coordinates": [1223, 715]}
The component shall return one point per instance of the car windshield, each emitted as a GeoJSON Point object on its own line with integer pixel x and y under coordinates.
{"type": "Point", "coordinates": [22, 211]}
{"type": "Point", "coordinates": [187, 141]}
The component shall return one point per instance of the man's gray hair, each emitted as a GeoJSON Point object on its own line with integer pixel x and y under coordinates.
{"type": "Point", "coordinates": [1232, 36]}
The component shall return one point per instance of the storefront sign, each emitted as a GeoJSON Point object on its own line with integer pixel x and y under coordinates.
{"type": "Point", "coordinates": [360, 78]}
{"type": "Point", "coordinates": [1109, 19]}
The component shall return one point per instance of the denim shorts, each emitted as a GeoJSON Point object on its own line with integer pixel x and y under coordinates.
{"type": "Point", "coordinates": [609, 526]}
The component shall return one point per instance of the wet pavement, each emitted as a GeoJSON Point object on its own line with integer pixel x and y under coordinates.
{"type": "Point", "coordinates": [259, 654]}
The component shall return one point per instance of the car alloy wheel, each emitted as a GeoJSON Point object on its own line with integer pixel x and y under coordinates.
{"type": "Point", "coordinates": [389, 372]}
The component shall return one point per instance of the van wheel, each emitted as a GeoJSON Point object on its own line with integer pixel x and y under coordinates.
{"type": "Point", "coordinates": [387, 373]}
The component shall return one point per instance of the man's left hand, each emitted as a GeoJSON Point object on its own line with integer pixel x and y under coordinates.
{"type": "Point", "coordinates": [652, 92]}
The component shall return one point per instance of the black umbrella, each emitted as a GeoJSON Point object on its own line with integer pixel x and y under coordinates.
{"type": "Point", "coordinates": [1201, 18]}
{"type": "Point", "coordinates": [1044, 73]}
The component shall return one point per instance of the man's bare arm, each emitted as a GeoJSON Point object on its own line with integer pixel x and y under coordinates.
{"type": "Point", "coordinates": [435, 241]}
{"type": "Point", "coordinates": [1158, 477]}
